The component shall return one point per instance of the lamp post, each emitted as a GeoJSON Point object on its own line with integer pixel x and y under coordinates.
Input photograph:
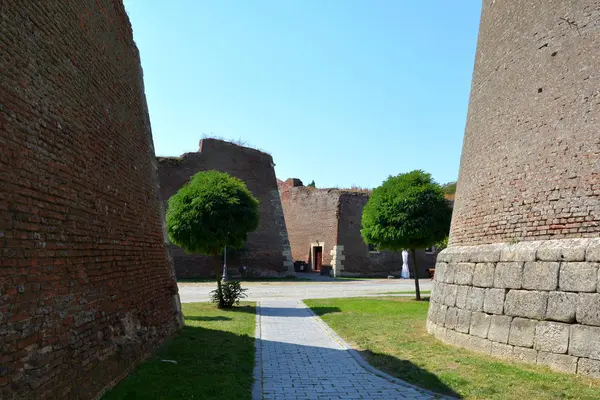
{"type": "Point", "coordinates": [225, 276]}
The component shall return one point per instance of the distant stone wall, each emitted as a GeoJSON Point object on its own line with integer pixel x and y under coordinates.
{"type": "Point", "coordinates": [267, 251]}
{"type": "Point", "coordinates": [333, 217]}
{"type": "Point", "coordinates": [310, 217]}
{"type": "Point", "coordinates": [86, 286]}
{"type": "Point", "coordinates": [520, 277]}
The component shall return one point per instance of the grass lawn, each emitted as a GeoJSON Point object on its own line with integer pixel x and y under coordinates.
{"type": "Point", "coordinates": [408, 292]}
{"type": "Point", "coordinates": [391, 335]}
{"type": "Point", "coordinates": [214, 354]}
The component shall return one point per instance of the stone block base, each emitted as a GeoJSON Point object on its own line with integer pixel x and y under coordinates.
{"type": "Point", "coordinates": [536, 302]}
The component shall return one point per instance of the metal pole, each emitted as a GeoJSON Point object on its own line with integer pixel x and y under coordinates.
{"type": "Point", "coordinates": [225, 277]}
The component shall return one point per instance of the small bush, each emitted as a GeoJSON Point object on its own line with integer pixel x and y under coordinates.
{"type": "Point", "coordinates": [232, 294]}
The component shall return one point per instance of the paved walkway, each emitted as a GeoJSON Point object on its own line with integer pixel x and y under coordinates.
{"type": "Point", "coordinates": [257, 291]}
{"type": "Point", "coordinates": [299, 357]}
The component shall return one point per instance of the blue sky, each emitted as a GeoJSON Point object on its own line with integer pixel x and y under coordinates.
{"type": "Point", "coordinates": [345, 92]}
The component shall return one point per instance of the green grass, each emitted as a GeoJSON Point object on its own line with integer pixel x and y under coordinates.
{"type": "Point", "coordinates": [391, 335]}
{"type": "Point", "coordinates": [214, 354]}
{"type": "Point", "coordinates": [408, 292]}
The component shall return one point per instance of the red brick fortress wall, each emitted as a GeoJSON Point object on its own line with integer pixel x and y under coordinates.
{"type": "Point", "coordinates": [311, 215]}
{"type": "Point", "coordinates": [529, 168]}
{"type": "Point", "coordinates": [267, 252]}
{"type": "Point", "coordinates": [520, 279]}
{"type": "Point", "coordinates": [86, 286]}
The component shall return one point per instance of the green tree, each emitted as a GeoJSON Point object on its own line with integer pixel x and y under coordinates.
{"type": "Point", "coordinates": [212, 211]}
{"type": "Point", "coordinates": [407, 211]}
{"type": "Point", "coordinates": [312, 184]}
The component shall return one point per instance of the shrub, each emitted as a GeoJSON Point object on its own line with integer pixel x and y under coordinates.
{"type": "Point", "coordinates": [232, 294]}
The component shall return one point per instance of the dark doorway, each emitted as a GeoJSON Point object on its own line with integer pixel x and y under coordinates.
{"type": "Point", "coordinates": [318, 257]}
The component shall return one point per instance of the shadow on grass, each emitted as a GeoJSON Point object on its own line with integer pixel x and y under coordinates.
{"type": "Point", "coordinates": [219, 318]}
{"type": "Point", "coordinates": [406, 370]}
{"type": "Point", "coordinates": [295, 312]}
{"type": "Point", "coordinates": [210, 364]}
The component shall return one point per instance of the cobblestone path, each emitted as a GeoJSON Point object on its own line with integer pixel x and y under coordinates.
{"type": "Point", "coordinates": [299, 357]}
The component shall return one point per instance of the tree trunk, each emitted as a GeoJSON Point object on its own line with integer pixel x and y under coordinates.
{"type": "Point", "coordinates": [416, 276]}
{"type": "Point", "coordinates": [219, 273]}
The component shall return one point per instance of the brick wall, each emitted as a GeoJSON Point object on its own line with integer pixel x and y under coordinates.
{"type": "Point", "coordinates": [334, 216]}
{"type": "Point", "coordinates": [529, 167]}
{"type": "Point", "coordinates": [266, 248]}
{"type": "Point", "coordinates": [358, 259]}
{"type": "Point", "coordinates": [310, 216]}
{"type": "Point", "coordinates": [86, 287]}
{"type": "Point", "coordinates": [520, 277]}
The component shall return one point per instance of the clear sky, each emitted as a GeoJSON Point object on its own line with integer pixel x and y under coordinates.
{"type": "Point", "coordinates": [345, 92]}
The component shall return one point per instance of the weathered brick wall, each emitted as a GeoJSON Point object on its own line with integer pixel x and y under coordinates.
{"type": "Point", "coordinates": [311, 215]}
{"type": "Point", "coordinates": [520, 279]}
{"type": "Point", "coordinates": [267, 249]}
{"type": "Point", "coordinates": [529, 166]}
{"type": "Point", "coordinates": [357, 258]}
{"type": "Point", "coordinates": [333, 217]}
{"type": "Point", "coordinates": [86, 288]}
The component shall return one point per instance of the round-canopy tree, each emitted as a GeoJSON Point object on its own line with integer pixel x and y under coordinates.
{"type": "Point", "coordinates": [211, 211]}
{"type": "Point", "coordinates": [407, 211]}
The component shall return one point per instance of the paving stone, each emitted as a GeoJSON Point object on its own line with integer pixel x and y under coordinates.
{"type": "Point", "coordinates": [558, 362]}
{"type": "Point", "coordinates": [508, 275]}
{"type": "Point", "coordinates": [561, 306]}
{"type": "Point", "coordinates": [480, 324]}
{"type": "Point", "coordinates": [583, 341]}
{"type": "Point", "coordinates": [588, 309]}
{"type": "Point", "coordinates": [499, 328]}
{"type": "Point", "coordinates": [552, 337]}
{"type": "Point", "coordinates": [463, 274]}
{"type": "Point", "coordinates": [483, 274]}
{"type": "Point", "coordinates": [301, 360]}
{"type": "Point", "coordinates": [540, 275]}
{"type": "Point", "coordinates": [578, 277]}
{"type": "Point", "coordinates": [586, 366]}
{"type": "Point", "coordinates": [522, 332]}
{"type": "Point", "coordinates": [526, 303]}
{"type": "Point", "coordinates": [475, 299]}
{"type": "Point", "coordinates": [493, 302]}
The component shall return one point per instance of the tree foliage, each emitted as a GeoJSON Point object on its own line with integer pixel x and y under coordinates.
{"type": "Point", "coordinates": [407, 211]}
{"type": "Point", "coordinates": [211, 211]}
{"type": "Point", "coordinates": [312, 184]}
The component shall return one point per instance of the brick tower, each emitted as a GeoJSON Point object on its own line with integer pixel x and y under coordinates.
{"type": "Point", "coordinates": [520, 277]}
{"type": "Point", "coordinates": [87, 289]}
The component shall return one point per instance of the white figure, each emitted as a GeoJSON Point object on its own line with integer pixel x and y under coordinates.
{"type": "Point", "coordinates": [404, 274]}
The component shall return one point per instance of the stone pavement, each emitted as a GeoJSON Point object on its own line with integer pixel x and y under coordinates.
{"type": "Point", "coordinates": [299, 357]}
{"type": "Point", "coordinates": [257, 291]}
